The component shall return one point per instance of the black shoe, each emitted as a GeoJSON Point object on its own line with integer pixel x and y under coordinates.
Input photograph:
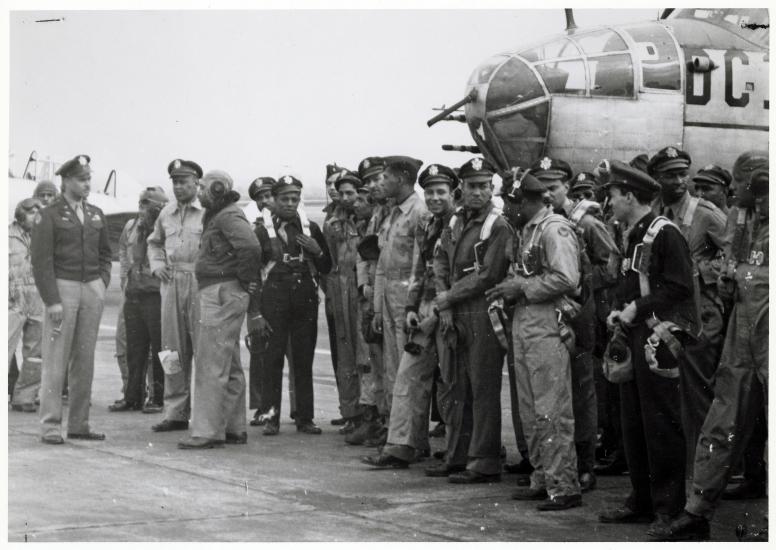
{"type": "Point", "coordinates": [443, 470]}
{"type": "Point", "coordinates": [522, 467]}
{"type": "Point", "coordinates": [560, 502]}
{"type": "Point", "coordinates": [236, 439]}
{"type": "Point", "coordinates": [272, 427]}
{"type": "Point", "coordinates": [421, 455]}
{"type": "Point", "coordinates": [152, 408]}
{"type": "Point", "coordinates": [385, 462]}
{"type": "Point", "coordinates": [52, 440]}
{"type": "Point", "coordinates": [526, 493]}
{"type": "Point", "coordinates": [170, 425]}
{"type": "Point", "coordinates": [587, 482]}
{"type": "Point", "coordinates": [339, 421]}
{"type": "Point", "coordinates": [625, 515]}
{"type": "Point", "coordinates": [438, 431]}
{"type": "Point", "coordinates": [89, 436]}
{"type": "Point", "coordinates": [200, 443]}
{"type": "Point", "coordinates": [470, 476]}
{"type": "Point", "coordinates": [308, 427]}
{"type": "Point", "coordinates": [747, 490]}
{"type": "Point", "coordinates": [258, 419]}
{"type": "Point", "coordinates": [347, 428]}
{"type": "Point", "coordinates": [124, 406]}
{"type": "Point", "coordinates": [659, 528]}
{"type": "Point", "coordinates": [686, 527]}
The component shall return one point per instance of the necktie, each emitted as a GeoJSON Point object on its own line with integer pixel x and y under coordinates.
{"type": "Point", "coordinates": [79, 211]}
{"type": "Point", "coordinates": [288, 232]}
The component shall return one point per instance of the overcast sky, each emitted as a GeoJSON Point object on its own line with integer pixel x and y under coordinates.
{"type": "Point", "coordinates": [255, 92]}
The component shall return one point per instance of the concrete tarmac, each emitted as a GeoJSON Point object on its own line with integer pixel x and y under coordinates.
{"type": "Point", "coordinates": [138, 486]}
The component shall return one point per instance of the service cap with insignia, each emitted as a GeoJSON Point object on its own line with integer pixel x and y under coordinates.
{"type": "Point", "coordinates": [713, 174]}
{"type": "Point", "coordinates": [75, 167]}
{"type": "Point", "coordinates": [370, 166]}
{"type": "Point", "coordinates": [258, 185]}
{"type": "Point", "coordinates": [347, 176]}
{"type": "Point", "coordinates": [583, 181]}
{"type": "Point", "coordinates": [668, 159]}
{"type": "Point", "coordinates": [285, 184]}
{"type": "Point", "coordinates": [401, 163]}
{"type": "Point", "coordinates": [477, 169]}
{"type": "Point", "coordinates": [628, 177]}
{"type": "Point", "coordinates": [516, 184]}
{"type": "Point", "coordinates": [549, 169]}
{"type": "Point", "coordinates": [438, 173]}
{"type": "Point", "coordinates": [331, 170]}
{"type": "Point", "coordinates": [179, 167]}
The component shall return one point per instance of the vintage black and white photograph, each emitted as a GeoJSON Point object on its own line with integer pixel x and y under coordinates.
{"type": "Point", "coordinates": [387, 273]}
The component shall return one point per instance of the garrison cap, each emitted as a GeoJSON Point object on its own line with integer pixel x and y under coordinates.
{"type": "Point", "coordinates": [624, 175]}
{"type": "Point", "coordinates": [260, 184]}
{"type": "Point", "coordinates": [438, 173]}
{"type": "Point", "coordinates": [668, 159]}
{"type": "Point", "coordinates": [347, 176]}
{"type": "Point", "coordinates": [331, 169]}
{"type": "Point", "coordinates": [712, 173]}
{"type": "Point", "coordinates": [154, 195]}
{"type": "Point", "coordinates": [180, 167]}
{"type": "Point", "coordinates": [582, 181]}
{"type": "Point", "coordinates": [43, 186]}
{"type": "Point", "coordinates": [368, 248]}
{"type": "Point", "coordinates": [640, 162]}
{"type": "Point", "coordinates": [549, 169]}
{"type": "Point", "coordinates": [747, 163]}
{"type": "Point", "coordinates": [286, 183]}
{"type": "Point", "coordinates": [759, 182]}
{"type": "Point", "coordinates": [401, 163]}
{"type": "Point", "coordinates": [370, 166]}
{"type": "Point", "coordinates": [77, 166]}
{"type": "Point", "coordinates": [515, 183]}
{"type": "Point", "coordinates": [477, 168]}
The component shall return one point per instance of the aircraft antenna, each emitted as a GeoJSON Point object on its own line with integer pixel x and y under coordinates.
{"type": "Point", "coordinates": [33, 158]}
{"type": "Point", "coordinates": [571, 26]}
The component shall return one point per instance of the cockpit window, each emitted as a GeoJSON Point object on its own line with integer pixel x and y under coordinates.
{"type": "Point", "coordinates": [563, 77]}
{"type": "Point", "coordinates": [748, 23]}
{"type": "Point", "coordinates": [553, 50]}
{"type": "Point", "coordinates": [503, 91]}
{"type": "Point", "coordinates": [659, 58]}
{"type": "Point", "coordinates": [603, 41]}
{"type": "Point", "coordinates": [482, 73]}
{"type": "Point", "coordinates": [611, 75]}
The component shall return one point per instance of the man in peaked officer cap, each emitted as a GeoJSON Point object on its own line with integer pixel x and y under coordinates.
{"type": "Point", "coordinates": [332, 174]}
{"type": "Point", "coordinates": [546, 273]}
{"type": "Point", "coordinates": [289, 303]}
{"type": "Point", "coordinates": [661, 290]}
{"type": "Point", "coordinates": [703, 226]}
{"type": "Point", "coordinates": [172, 251]}
{"type": "Point", "coordinates": [71, 261]}
{"type": "Point", "coordinates": [712, 183]}
{"type": "Point", "coordinates": [583, 186]}
{"type": "Point", "coordinates": [394, 266]}
{"type": "Point", "coordinates": [260, 192]}
{"type": "Point", "coordinates": [471, 258]}
{"type": "Point", "coordinates": [408, 429]}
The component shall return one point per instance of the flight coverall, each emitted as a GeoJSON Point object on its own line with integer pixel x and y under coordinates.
{"type": "Point", "coordinates": [289, 304]}
{"type": "Point", "coordinates": [343, 236]}
{"type": "Point", "coordinates": [741, 386]}
{"type": "Point", "coordinates": [392, 279]}
{"type": "Point", "coordinates": [228, 262]}
{"type": "Point", "coordinates": [547, 269]}
{"type": "Point", "coordinates": [705, 234]}
{"type": "Point", "coordinates": [599, 246]}
{"type": "Point", "coordinates": [25, 315]}
{"type": "Point", "coordinates": [175, 243]}
{"type": "Point", "coordinates": [408, 428]}
{"type": "Point", "coordinates": [470, 396]}
{"type": "Point", "coordinates": [71, 261]}
{"type": "Point", "coordinates": [650, 404]}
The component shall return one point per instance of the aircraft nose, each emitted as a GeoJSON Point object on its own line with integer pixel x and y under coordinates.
{"type": "Point", "coordinates": [510, 119]}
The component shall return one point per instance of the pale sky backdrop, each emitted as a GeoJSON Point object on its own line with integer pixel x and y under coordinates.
{"type": "Point", "coordinates": [255, 93]}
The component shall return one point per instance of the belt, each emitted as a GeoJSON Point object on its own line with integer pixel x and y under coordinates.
{"type": "Point", "coordinates": [186, 267]}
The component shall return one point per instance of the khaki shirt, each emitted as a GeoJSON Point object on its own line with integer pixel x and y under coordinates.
{"type": "Point", "coordinates": [176, 236]}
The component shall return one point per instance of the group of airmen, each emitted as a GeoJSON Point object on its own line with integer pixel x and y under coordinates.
{"type": "Point", "coordinates": [629, 304]}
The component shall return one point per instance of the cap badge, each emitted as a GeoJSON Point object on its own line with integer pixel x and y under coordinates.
{"type": "Point", "coordinates": [581, 177]}
{"type": "Point", "coordinates": [546, 163]}
{"type": "Point", "coordinates": [708, 167]}
{"type": "Point", "coordinates": [365, 164]}
{"type": "Point", "coordinates": [477, 164]}
{"type": "Point", "coordinates": [176, 164]}
{"type": "Point", "coordinates": [433, 170]}
{"type": "Point", "coordinates": [82, 160]}
{"type": "Point", "coordinates": [288, 180]}
{"type": "Point", "coordinates": [671, 153]}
